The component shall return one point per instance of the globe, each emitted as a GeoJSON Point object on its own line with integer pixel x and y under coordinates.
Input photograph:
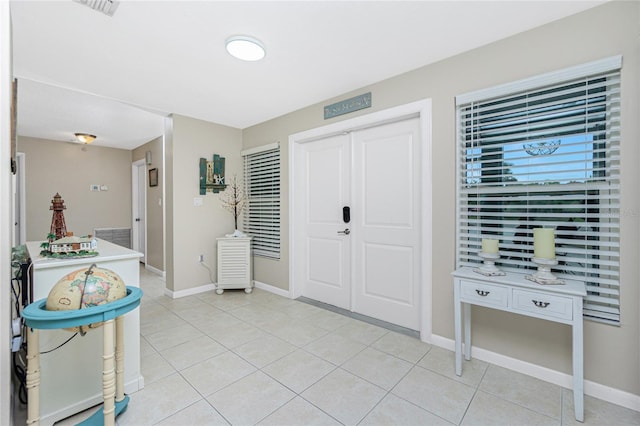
{"type": "Point", "coordinates": [84, 288]}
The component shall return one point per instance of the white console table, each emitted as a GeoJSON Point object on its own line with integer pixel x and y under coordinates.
{"type": "Point", "coordinates": [513, 293]}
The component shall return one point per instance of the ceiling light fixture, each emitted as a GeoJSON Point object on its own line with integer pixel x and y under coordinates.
{"type": "Point", "coordinates": [85, 138]}
{"type": "Point", "coordinates": [108, 7]}
{"type": "Point", "coordinates": [245, 48]}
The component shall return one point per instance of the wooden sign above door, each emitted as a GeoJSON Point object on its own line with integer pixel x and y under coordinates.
{"type": "Point", "coordinates": [349, 105]}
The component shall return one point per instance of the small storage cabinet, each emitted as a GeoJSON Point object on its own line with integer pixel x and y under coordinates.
{"type": "Point", "coordinates": [234, 264]}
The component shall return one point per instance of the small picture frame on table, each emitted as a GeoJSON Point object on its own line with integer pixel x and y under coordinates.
{"type": "Point", "coordinates": [153, 177]}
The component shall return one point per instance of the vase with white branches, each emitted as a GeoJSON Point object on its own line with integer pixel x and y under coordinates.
{"type": "Point", "coordinates": [233, 200]}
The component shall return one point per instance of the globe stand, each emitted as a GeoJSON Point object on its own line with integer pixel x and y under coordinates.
{"type": "Point", "coordinates": [37, 317]}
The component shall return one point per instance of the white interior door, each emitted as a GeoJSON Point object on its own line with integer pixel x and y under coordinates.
{"type": "Point", "coordinates": [139, 183]}
{"type": "Point", "coordinates": [372, 264]}
{"type": "Point", "coordinates": [324, 244]}
{"type": "Point", "coordinates": [386, 223]}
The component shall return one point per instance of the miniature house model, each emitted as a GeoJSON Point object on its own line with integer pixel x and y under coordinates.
{"type": "Point", "coordinates": [70, 244]}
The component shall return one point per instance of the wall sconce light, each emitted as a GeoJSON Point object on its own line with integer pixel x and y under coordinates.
{"type": "Point", "coordinates": [85, 138]}
{"type": "Point", "coordinates": [147, 156]}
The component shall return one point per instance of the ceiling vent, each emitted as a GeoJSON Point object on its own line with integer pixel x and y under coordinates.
{"type": "Point", "coordinates": [108, 7]}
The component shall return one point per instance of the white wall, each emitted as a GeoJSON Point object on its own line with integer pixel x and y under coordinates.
{"type": "Point", "coordinates": [6, 207]}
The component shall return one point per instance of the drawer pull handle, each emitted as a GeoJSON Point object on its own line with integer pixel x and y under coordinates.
{"type": "Point", "coordinates": [483, 293]}
{"type": "Point", "coordinates": [540, 304]}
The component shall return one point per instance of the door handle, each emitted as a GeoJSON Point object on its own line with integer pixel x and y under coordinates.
{"type": "Point", "coordinates": [345, 232]}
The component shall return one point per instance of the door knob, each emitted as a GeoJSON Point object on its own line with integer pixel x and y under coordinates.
{"type": "Point", "coordinates": [345, 232]}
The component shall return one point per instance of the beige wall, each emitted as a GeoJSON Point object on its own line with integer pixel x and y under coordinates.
{"type": "Point", "coordinates": [69, 169]}
{"type": "Point", "coordinates": [194, 229]}
{"type": "Point", "coordinates": [154, 255]}
{"type": "Point", "coordinates": [612, 353]}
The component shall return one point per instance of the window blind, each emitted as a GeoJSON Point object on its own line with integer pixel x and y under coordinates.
{"type": "Point", "coordinates": [262, 212]}
{"type": "Point", "coordinates": [548, 156]}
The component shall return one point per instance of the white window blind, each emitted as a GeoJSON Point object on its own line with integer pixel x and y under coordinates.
{"type": "Point", "coordinates": [262, 212]}
{"type": "Point", "coordinates": [547, 155]}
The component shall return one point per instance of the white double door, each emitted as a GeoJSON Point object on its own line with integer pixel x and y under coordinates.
{"type": "Point", "coordinates": [368, 263]}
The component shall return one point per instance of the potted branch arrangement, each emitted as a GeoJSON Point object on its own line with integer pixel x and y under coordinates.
{"type": "Point", "coordinates": [233, 200]}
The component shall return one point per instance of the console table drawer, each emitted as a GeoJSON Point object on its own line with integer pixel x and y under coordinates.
{"type": "Point", "coordinates": [484, 294]}
{"type": "Point", "coordinates": [543, 304]}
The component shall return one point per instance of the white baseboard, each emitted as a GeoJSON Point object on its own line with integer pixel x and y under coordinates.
{"type": "Point", "coordinates": [49, 419]}
{"type": "Point", "coordinates": [210, 287]}
{"type": "Point", "coordinates": [134, 385]}
{"type": "Point", "coordinates": [272, 289]}
{"type": "Point", "coordinates": [190, 291]}
{"type": "Point", "coordinates": [154, 270]}
{"type": "Point", "coordinates": [596, 390]}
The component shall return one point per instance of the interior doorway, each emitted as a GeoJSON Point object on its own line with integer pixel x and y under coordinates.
{"type": "Point", "coordinates": [139, 207]}
{"type": "Point", "coordinates": [361, 215]}
{"type": "Point", "coordinates": [19, 201]}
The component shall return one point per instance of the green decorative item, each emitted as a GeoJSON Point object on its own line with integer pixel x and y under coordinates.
{"type": "Point", "coordinates": [212, 177]}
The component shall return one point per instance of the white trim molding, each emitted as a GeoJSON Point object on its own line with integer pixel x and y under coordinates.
{"type": "Point", "coordinates": [189, 291]}
{"type": "Point", "coordinates": [421, 109]}
{"type": "Point", "coordinates": [259, 149]}
{"type": "Point", "coordinates": [272, 289]}
{"type": "Point", "coordinates": [155, 270]}
{"type": "Point", "coordinates": [578, 71]}
{"type": "Point", "coordinates": [596, 390]}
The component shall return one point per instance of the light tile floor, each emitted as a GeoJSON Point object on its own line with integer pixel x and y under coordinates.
{"type": "Point", "coordinates": [246, 359]}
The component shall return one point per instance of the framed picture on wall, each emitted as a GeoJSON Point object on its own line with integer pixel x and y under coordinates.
{"type": "Point", "coordinates": [153, 177]}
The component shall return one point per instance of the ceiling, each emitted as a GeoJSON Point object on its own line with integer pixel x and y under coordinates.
{"type": "Point", "coordinates": [117, 77]}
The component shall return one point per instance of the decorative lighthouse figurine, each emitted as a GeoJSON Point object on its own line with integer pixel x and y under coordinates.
{"type": "Point", "coordinates": [58, 227]}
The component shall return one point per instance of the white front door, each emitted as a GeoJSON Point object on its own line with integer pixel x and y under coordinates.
{"type": "Point", "coordinates": [370, 265]}
{"type": "Point", "coordinates": [325, 245]}
{"type": "Point", "coordinates": [386, 223]}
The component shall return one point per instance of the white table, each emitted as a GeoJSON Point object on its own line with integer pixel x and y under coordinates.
{"type": "Point", "coordinates": [513, 293]}
{"type": "Point", "coordinates": [71, 376]}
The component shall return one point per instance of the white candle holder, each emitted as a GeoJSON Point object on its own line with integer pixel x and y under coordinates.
{"type": "Point", "coordinates": [544, 274]}
{"type": "Point", "coordinates": [489, 267]}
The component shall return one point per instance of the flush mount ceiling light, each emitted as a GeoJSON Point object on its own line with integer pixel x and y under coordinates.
{"type": "Point", "coordinates": [84, 138]}
{"type": "Point", "coordinates": [245, 48]}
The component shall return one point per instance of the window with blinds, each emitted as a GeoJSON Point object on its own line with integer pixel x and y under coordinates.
{"type": "Point", "coordinates": [262, 189]}
{"type": "Point", "coordinates": [545, 152]}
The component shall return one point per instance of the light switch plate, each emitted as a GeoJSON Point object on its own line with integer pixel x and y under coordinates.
{"type": "Point", "coordinates": [197, 201]}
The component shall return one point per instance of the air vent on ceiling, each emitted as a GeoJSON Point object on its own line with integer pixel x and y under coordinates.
{"type": "Point", "coordinates": [108, 7]}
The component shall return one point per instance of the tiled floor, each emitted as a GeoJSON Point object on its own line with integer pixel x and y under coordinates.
{"type": "Point", "coordinates": [245, 359]}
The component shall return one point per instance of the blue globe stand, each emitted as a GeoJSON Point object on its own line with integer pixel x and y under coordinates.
{"type": "Point", "coordinates": [97, 418]}
{"type": "Point", "coordinates": [37, 317]}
